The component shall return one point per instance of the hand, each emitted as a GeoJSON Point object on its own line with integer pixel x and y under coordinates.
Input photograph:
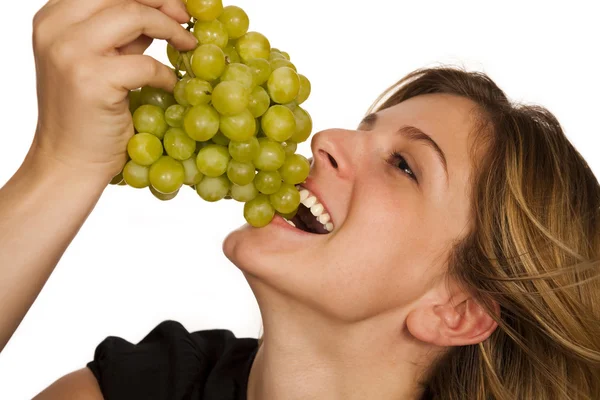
{"type": "Point", "coordinates": [88, 55]}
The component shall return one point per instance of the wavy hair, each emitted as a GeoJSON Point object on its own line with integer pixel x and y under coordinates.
{"type": "Point", "coordinates": [534, 250]}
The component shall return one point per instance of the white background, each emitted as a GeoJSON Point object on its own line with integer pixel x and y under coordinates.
{"type": "Point", "coordinates": [137, 261]}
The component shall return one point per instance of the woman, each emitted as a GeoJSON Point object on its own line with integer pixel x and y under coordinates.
{"type": "Point", "coordinates": [463, 262]}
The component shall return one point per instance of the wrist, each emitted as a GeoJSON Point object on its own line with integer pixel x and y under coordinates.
{"type": "Point", "coordinates": [43, 166]}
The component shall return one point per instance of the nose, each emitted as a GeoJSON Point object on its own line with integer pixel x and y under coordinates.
{"type": "Point", "coordinates": [332, 149]}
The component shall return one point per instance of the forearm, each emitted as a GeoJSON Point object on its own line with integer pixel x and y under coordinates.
{"type": "Point", "coordinates": [42, 208]}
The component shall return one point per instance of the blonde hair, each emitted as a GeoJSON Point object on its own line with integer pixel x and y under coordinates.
{"type": "Point", "coordinates": [534, 250]}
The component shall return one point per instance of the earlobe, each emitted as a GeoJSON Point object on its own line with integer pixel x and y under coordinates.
{"type": "Point", "coordinates": [451, 324]}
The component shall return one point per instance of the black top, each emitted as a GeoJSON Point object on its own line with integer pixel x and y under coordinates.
{"type": "Point", "coordinates": [171, 363]}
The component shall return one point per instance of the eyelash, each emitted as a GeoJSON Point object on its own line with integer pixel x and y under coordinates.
{"type": "Point", "coordinates": [393, 160]}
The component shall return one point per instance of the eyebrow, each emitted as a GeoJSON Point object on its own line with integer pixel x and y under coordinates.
{"type": "Point", "coordinates": [411, 133]}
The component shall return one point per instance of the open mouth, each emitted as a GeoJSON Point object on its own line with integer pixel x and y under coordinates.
{"type": "Point", "coordinates": [312, 217]}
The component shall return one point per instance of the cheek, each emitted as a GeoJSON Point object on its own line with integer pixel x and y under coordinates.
{"type": "Point", "coordinates": [381, 259]}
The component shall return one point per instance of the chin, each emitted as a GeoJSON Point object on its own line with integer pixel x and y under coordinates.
{"type": "Point", "coordinates": [267, 251]}
{"type": "Point", "coordinates": [251, 249]}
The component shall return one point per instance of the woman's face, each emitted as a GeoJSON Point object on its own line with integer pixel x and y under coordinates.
{"type": "Point", "coordinates": [397, 192]}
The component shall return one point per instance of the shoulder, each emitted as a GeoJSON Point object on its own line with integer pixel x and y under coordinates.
{"type": "Point", "coordinates": [80, 384]}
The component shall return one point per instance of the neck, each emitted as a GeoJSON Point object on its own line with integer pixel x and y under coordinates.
{"type": "Point", "coordinates": [306, 355]}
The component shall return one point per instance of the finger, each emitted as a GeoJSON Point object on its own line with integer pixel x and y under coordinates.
{"type": "Point", "coordinates": [79, 10]}
{"type": "Point", "coordinates": [134, 71]}
{"type": "Point", "coordinates": [175, 9]}
{"type": "Point", "coordinates": [138, 46]}
{"type": "Point", "coordinates": [62, 14]}
{"type": "Point", "coordinates": [123, 23]}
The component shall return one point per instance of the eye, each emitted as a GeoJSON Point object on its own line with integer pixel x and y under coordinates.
{"type": "Point", "coordinates": [398, 161]}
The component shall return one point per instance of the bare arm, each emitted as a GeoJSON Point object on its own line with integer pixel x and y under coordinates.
{"type": "Point", "coordinates": [42, 208]}
{"type": "Point", "coordinates": [84, 124]}
{"type": "Point", "coordinates": [80, 385]}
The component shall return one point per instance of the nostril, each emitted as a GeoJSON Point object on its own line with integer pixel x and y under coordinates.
{"type": "Point", "coordinates": [332, 160]}
{"type": "Point", "coordinates": [330, 157]}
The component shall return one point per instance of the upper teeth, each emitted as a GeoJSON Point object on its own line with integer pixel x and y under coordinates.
{"type": "Point", "coordinates": [317, 209]}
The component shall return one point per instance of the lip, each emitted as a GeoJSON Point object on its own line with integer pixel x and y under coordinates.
{"type": "Point", "coordinates": [281, 222]}
{"type": "Point", "coordinates": [309, 184]}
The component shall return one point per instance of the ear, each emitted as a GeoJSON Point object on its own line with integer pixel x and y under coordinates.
{"type": "Point", "coordinates": [460, 321]}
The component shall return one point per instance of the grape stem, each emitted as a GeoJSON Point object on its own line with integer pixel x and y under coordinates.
{"type": "Point", "coordinates": [191, 24]}
{"type": "Point", "coordinates": [187, 64]}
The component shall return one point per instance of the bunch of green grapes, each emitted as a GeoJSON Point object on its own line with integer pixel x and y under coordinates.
{"type": "Point", "coordinates": [231, 127]}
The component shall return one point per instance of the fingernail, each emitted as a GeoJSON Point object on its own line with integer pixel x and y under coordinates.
{"type": "Point", "coordinates": [194, 38]}
{"type": "Point", "coordinates": [185, 12]}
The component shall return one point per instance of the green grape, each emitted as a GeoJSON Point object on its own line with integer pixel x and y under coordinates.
{"type": "Point", "coordinates": [201, 145]}
{"type": "Point", "coordinates": [258, 129]}
{"type": "Point", "coordinates": [261, 70]}
{"type": "Point", "coordinates": [305, 89]}
{"type": "Point", "coordinates": [174, 115]}
{"type": "Point", "coordinates": [150, 119]}
{"type": "Point", "coordinates": [236, 21]}
{"type": "Point", "coordinates": [134, 100]}
{"type": "Point", "coordinates": [136, 175]}
{"type": "Point", "coordinates": [201, 122]}
{"type": "Point", "coordinates": [240, 173]}
{"type": "Point", "coordinates": [205, 10]}
{"type": "Point", "coordinates": [231, 53]}
{"type": "Point", "coordinates": [240, 73]}
{"type": "Point", "coordinates": [286, 199]}
{"type": "Point", "coordinates": [280, 63]}
{"type": "Point", "coordinates": [289, 216]}
{"type": "Point", "coordinates": [244, 193]}
{"type": "Point", "coordinates": [289, 147]}
{"type": "Point", "coordinates": [192, 175]}
{"type": "Point", "coordinates": [211, 32]}
{"type": "Point", "coordinates": [253, 45]}
{"type": "Point", "coordinates": [179, 91]}
{"type": "Point", "coordinates": [163, 196]}
{"type": "Point", "coordinates": [278, 123]}
{"type": "Point", "coordinates": [239, 127]}
{"type": "Point", "coordinates": [213, 188]}
{"type": "Point", "coordinates": [259, 101]}
{"type": "Point", "coordinates": [267, 182]}
{"type": "Point", "coordinates": [275, 54]}
{"type": "Point", "coordinates": [117, 179]}
{"type": "Point", "coordinates": [208, 62]}
{"type": "Point", "coordinates": [198, 91]}
{"type": "Point", "coordinates": [303, 125]}
{"type": "Point", "coordinates": [270, 155]}
{"type": "Point", "coordinates": [178, 144]}
{"type": "Point", "coordinates": [295, 169]}
{"type": "Point", "coordinates": [212, 160]}
{"type": "Point", "coordinates": [166, 175]}
{"type": "Point", "coordinates": [286, 55]}
{"type": "Point", "coordinates": [174, 57]}
{"type": "Point", "coordinates": [230, 98]}
{"type": "Point", "coordinates": [156, 97]}
{"type": "Point", "coordinates": [144, 148]}
{"type": "Point", "coordinates": [259, 212]}
{"type": "Point", "coordinates": [244, 151]}
{"type": "Point", "coordinates": [283, 85]}
{"type": "Point", "coordinates": [221, 139]}
{"type": "Point", "coordinates": [292, 105]}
